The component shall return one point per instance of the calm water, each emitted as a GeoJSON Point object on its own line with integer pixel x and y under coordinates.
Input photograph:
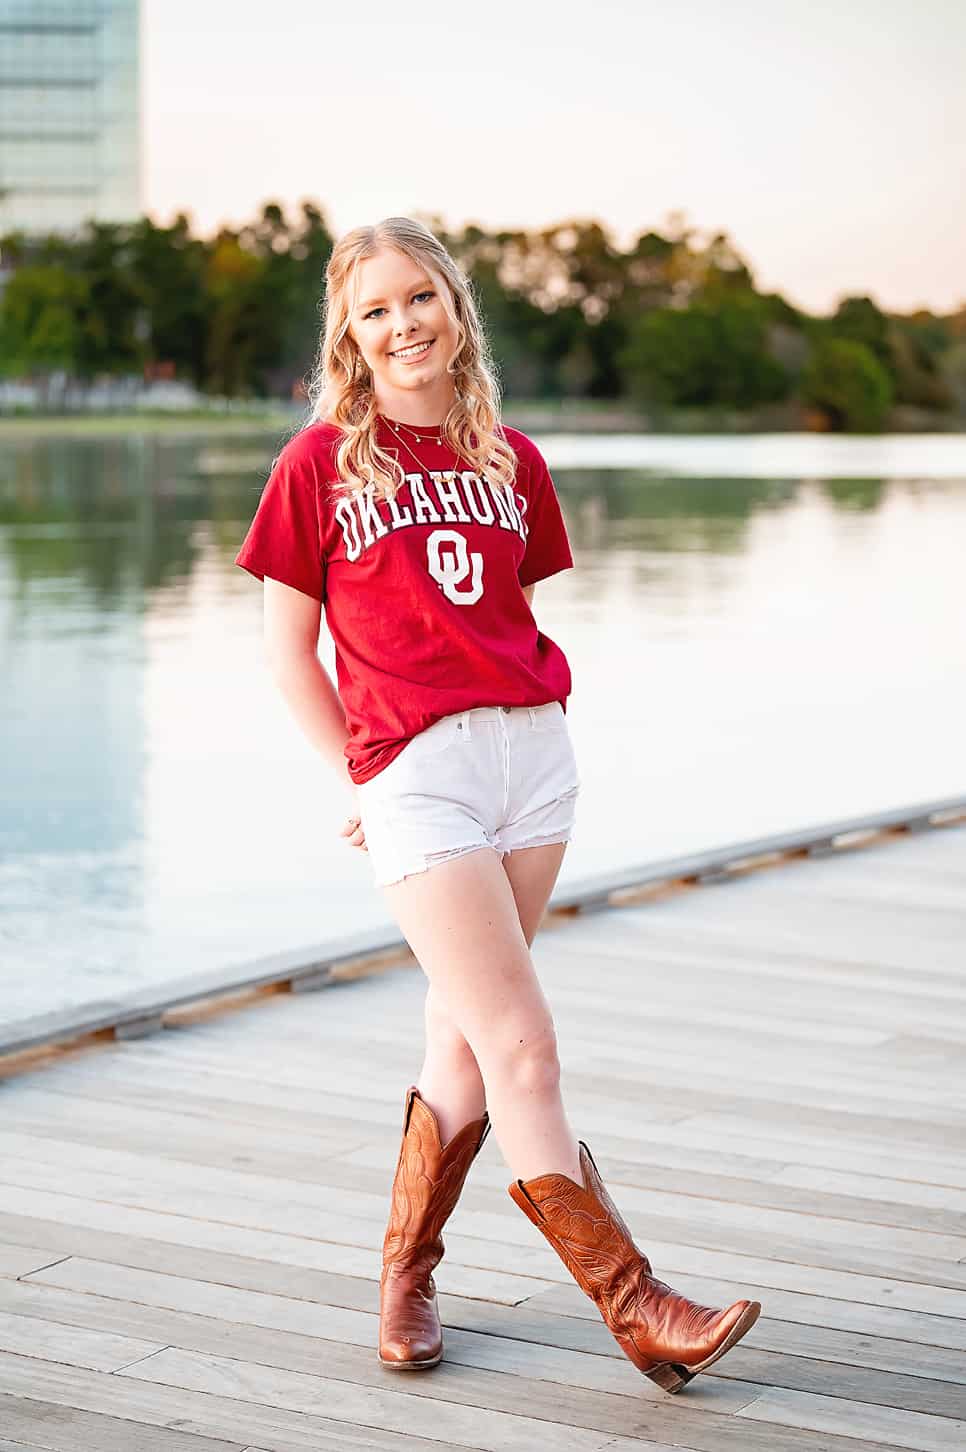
{"type": "Point", "coordinates": [750, 652]}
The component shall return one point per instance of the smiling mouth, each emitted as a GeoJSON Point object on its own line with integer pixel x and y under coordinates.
{"type": "Point", "coordinates": [414, 350]}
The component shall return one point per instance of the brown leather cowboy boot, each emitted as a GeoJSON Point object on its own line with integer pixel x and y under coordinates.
{"type": "Point", "coordinates": [668, 1337]}
{"type": "Point", "coordinates": [427, 1185]}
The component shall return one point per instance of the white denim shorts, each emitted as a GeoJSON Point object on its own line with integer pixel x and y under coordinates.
{"type": "Point", "coordinates": [493, 776]}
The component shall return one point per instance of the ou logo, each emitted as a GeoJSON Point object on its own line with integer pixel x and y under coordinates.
{"type": "Point", "coordinates": [450, 568]}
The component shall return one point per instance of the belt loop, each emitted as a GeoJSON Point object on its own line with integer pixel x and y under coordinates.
{"type": "Point", "coordinates": [533, 717]}
{"type": "Point", "coordinates": [465, 722]}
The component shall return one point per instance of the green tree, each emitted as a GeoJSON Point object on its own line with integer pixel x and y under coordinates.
{"type": "Point", "coordinates": [41, 320]}
{"type": "Point", "coordinates": [704, 355]}
{"type": "Point", "coordinates": [858, 320]}
{"type": "Point", "coordinates": [954, 374]}
{"type": "Point", "coordinates": [849, 383]}
{"type": "Point", "coordinates": [168, 268]}
{"type": "Point", "coordinates": [670, 357]}
{"type": "Point", "coordinates": [232, 277]}
{"type": "Point", "coordinates": [916, 367]}
{"type": "Point", "coordinates": [109, 341]}
{"type": "Point", "coordinates": [287, 293]}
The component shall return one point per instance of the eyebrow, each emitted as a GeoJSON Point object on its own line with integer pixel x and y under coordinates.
{"type": "Point", "coordinates": [417, 287]}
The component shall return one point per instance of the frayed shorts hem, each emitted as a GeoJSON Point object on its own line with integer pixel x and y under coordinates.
{"type": "Point", "coordinates": [434, 859]}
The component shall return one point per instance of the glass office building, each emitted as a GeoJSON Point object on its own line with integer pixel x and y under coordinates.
{"type": "Point", "coordinates": [69, 113]}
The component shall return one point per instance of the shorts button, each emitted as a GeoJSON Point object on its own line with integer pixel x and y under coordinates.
{"type": "Point", "coordinates": [505, 708]}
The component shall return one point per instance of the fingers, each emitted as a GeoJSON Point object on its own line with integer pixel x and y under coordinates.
{"type": "Point", "coordinates": [353, 830]}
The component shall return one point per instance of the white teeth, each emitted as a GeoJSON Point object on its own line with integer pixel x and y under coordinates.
{"type": "Point", "coordinates": [408, 352]}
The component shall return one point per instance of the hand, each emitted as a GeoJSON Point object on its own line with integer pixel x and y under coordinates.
{"type": "Point", "coordinates": [352, 829]}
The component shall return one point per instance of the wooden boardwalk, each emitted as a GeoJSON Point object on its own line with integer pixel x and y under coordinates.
{"type": "Point", "coordinates": [770, 1074]}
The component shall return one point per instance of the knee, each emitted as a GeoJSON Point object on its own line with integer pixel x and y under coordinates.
{"type": "Point", "coordinates": [531, 1061]}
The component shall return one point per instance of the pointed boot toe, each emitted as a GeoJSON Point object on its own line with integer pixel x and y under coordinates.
{"type": "Point", "coordinates": [725, 1330]}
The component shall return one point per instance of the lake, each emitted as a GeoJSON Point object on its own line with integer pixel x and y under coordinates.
{"type": "Point", "coordinates": [764, 633]}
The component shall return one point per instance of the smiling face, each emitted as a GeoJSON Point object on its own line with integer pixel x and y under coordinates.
{"type": "Point", "coordinates": [405, 336]}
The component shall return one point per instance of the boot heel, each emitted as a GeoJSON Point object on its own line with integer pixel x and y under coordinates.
{"type": "Point", "coordinates": [669, 1376]}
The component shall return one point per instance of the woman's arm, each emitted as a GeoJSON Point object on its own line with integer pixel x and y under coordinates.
{"type": "Point", "coordinates": [292, 622]}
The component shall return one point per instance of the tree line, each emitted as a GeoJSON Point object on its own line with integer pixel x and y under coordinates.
{"type": "Point", "coordinates": [673, 322]}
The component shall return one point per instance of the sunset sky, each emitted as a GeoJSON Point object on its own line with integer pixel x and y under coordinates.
{"type": "Point", "coordinates": [828, 141]}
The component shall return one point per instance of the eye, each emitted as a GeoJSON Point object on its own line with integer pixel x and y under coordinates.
{"type": "Point", "coordinates": [372, 313]}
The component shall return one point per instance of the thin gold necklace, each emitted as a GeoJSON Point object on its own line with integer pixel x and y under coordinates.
{"type": "Point", "coordinates": [420, 438]}
{"type": "Point", "coordinates": [406, 446]}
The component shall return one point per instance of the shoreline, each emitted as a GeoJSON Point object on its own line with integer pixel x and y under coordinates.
{"type": "Point", "coordinates": [538, 415]}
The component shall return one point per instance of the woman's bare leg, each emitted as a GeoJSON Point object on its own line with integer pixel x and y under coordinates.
{"type": "Point", "coordinates": [463, 922]}
{"type": "Point", "coordinates": [450, 1081]}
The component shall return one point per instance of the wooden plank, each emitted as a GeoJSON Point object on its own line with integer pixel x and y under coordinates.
{"type": "Point", "coordinates": [841, 1417]}
{"type": "Point", "coordinates": [100, 1351]}
{"type": "Point", "coordinates": [755, 914]}
{"type": "Point", "coordinates": [20, 1260]}
{"type": "Point", "coordinates": [672, 948]}
{"type": "Point", "coordinates": [813, 1193]}
{"type": "Point", "coordinates": [671, 944]}
{"type": "Point", "coordinates": [756, 992]}
{"type": "Point", "coordinates": [35, 1106]}
{"type": "Point", "coordinates": [808, 1126]}
{"type": "Point", "coordinates": [64, 1429]}
{"type": "Point", "coordinates": [881, 1189]}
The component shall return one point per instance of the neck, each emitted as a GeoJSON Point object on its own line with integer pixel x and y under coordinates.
{"type": "Point", "coordinates": [425, 408]}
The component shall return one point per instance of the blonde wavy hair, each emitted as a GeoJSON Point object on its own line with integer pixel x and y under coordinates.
{"type": "Point", "coordinates": [340, 390]}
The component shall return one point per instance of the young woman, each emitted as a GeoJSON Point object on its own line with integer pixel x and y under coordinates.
{"type": "Point", "coordinates": [421, 524]}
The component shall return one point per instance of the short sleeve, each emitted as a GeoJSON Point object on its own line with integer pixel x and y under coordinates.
{"type": "Point", "coordinates": [285, 538]}
{"type": "Point", "coordinates": [548, 548]}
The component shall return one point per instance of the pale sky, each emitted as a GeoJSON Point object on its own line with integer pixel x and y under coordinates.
{"type": "Point", "coordinates": [827, 139]}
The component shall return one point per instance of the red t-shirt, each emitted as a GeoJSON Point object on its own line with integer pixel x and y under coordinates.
{"type": "Point", "coordinates": [423, 595]}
